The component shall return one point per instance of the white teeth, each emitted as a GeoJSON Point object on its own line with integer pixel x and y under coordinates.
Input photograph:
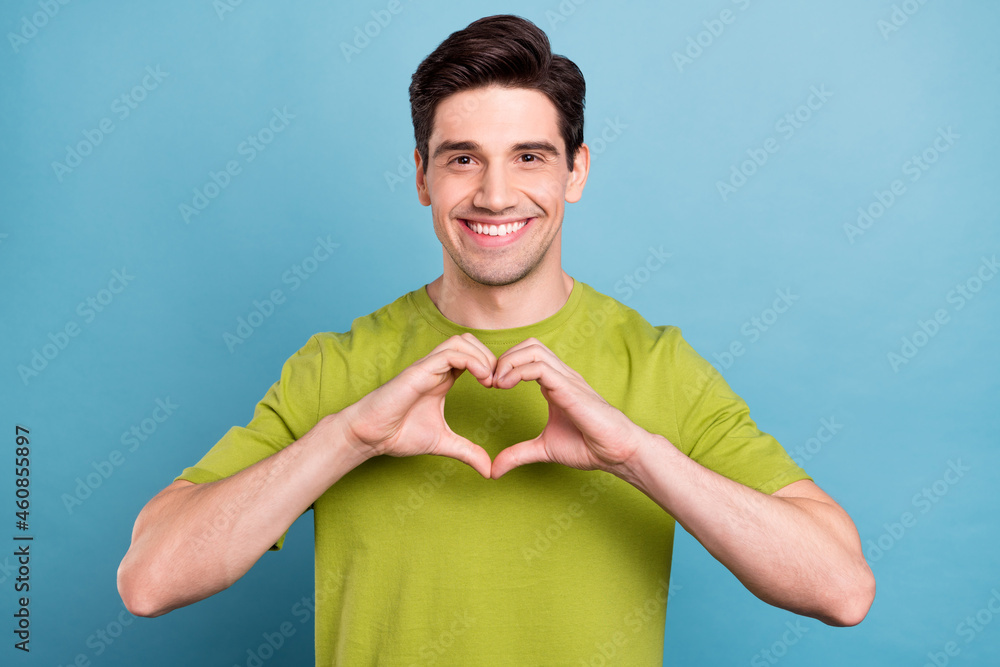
{"type": "Point", "coordinates": [496, 230]}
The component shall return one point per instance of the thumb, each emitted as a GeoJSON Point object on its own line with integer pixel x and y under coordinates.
{"type": "Point", "coordinates": [528, 451]}
{"type": "Point", "coordinates": [464, 450]}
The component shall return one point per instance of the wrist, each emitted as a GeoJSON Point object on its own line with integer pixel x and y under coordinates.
{"type": "Point", "coordinates": [651, 453]}
{"type": "Point", "coordinates": [338, 435]}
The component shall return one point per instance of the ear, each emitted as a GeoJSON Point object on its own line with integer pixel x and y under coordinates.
{"type": "Point", "coordinates": [422, 192]}
{"type": "Point", "coordinates": [578, 177]}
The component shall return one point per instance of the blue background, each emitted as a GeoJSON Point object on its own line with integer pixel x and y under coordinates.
{"type": "Point", "coordinates": [673, 130]}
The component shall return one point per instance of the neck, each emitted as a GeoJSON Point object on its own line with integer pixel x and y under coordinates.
{"type": "Point", "coordinates": [532, 299]}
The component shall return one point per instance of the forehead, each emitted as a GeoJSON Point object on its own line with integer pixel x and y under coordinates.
{"type": "Point", "coordinates": [495, 113]}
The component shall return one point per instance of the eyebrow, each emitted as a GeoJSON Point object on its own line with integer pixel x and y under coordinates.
{"type": "Point", "coordinates": [540, 146]}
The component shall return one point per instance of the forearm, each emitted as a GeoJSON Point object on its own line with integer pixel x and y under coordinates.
{"type": "Point", "coordinates": [799, 554]}
{"type": "Point", "coordinates": [193, 541]}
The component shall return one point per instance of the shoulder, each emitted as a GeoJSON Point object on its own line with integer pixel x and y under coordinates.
{"type": "Point", "coordinates": [625, 324]}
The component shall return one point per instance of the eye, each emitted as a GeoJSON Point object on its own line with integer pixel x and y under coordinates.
{"type": "Point", "coordinates": [529, 157]}
{"type": "Point", "coordinates": [458, 160]}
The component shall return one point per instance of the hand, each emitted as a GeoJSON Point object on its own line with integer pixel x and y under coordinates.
{"type": "Point", "coordinates": [584, 431]}
{"type": "Point", "coordinates": [405, 416]}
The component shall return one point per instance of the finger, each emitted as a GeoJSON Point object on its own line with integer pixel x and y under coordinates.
{"type": "Point", "coordinates": [540, 371]}
{"type": "Point", "coordinates": [515, 358]}
{"type": "Point", "coordinates": [528, 451]}
{"type": "Point", "coordinates": [469, 344]}
{"type": "Point", "coordinates": [436, 368]}
{"type": "Point", "coordinates": [466, 451]}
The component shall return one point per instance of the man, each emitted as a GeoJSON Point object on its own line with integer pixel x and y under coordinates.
{"type": "Point", "coordinates": [584, 431]}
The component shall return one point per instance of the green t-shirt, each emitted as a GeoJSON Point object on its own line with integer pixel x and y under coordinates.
{"type": "Point", "coordinates": [422, 561]}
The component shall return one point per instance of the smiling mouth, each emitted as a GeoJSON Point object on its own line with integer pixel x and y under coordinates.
{"type": "Point", "coordinates": [487, 229]}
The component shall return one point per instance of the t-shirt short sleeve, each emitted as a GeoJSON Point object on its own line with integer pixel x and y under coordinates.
{"type": "Point", "coordinates": [289, 409]}
{"type": "Point", "coordinates": [716, 430]}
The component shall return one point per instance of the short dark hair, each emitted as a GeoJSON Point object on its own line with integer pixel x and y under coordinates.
{"type": "Point", "coordinates": [501, 50]}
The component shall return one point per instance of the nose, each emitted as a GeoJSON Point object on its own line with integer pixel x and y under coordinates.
{"type": "Point", "coordinates": [495, 191]}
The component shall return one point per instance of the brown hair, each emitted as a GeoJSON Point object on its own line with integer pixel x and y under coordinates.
{"type": "Point", "coordinates": [499, 50]}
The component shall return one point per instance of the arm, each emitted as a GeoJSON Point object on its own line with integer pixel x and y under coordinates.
{"type": "Point", "coordinates": [796, 549]}
{"type": "Point", "coordinates": [194, 540]}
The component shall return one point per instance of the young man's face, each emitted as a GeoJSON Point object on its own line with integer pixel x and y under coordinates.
{"type": "Point", "coordinates": [497, 182]}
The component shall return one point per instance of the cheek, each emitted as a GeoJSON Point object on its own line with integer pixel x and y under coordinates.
{"type": "Point", "coordinates": [547, 193]}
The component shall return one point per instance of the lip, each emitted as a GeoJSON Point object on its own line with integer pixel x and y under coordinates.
{"type": "Point", "coordinates": [487, 241]}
